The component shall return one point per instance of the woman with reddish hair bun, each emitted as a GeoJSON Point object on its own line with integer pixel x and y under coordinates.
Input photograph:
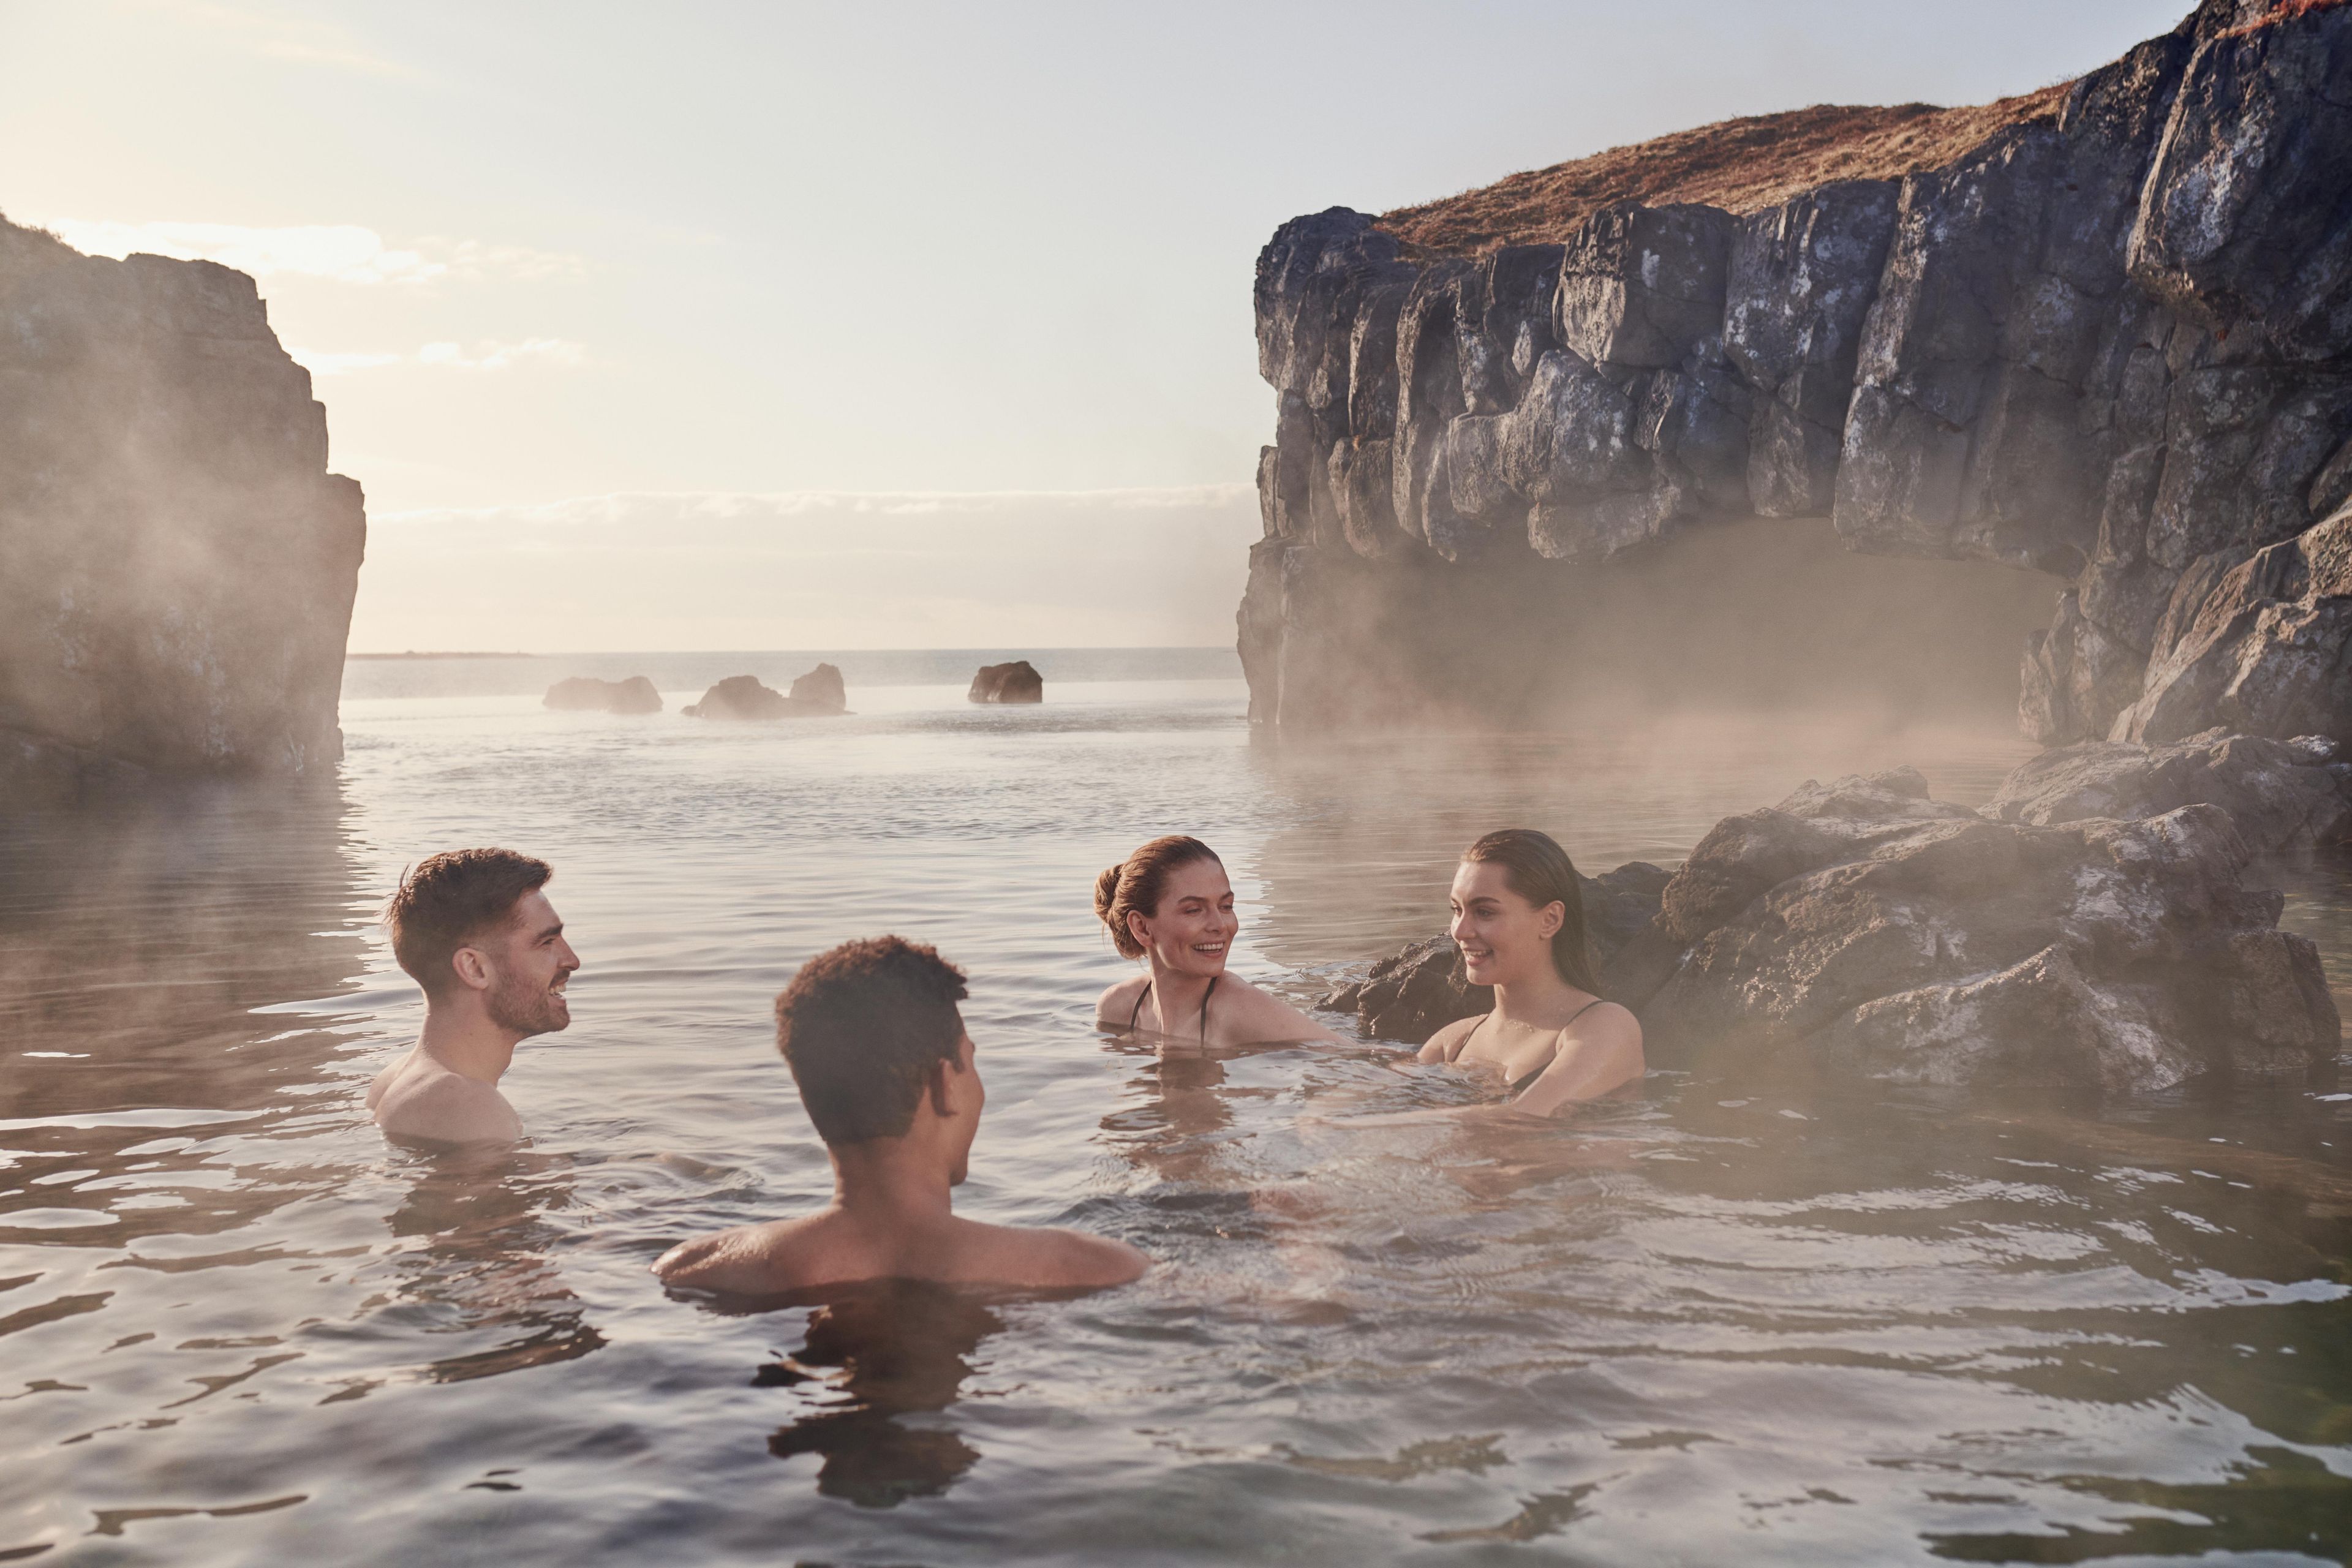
{"type": "Point", "coordinates": [1518, 918]}
{"type": "Point", "coordinates": [1170, 904]}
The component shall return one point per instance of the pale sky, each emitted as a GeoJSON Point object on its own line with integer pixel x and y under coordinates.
{"type": "Point", "coordinates": [934, 317]}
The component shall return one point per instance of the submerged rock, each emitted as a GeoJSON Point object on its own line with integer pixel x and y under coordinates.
{"type": "Point", "coordinates": [816, 695]}
{"type": "Point", "coordinates": [1418, 990]}
{"type": "Point", "coordinates": [1894, 937]}
{"type": "Point", "coordinates": [2282, 794]}
{"type": "Point", "coordinates": [1015, 682]}
{"type": "Point", "coordinates": [635, 695]}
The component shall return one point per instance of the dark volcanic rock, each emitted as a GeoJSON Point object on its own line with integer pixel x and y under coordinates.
{"type": "Point", "coordinates": [177, 567]}
{"type": "Point", "coordinates": [635, 695]}
{"type": "Point", "coordinates": [2266, 649]}
{"type": "Point", "coordinates": [2282, 794]}
{"type": "Point", "coordinates": [1015, 682]}
{"type": "Point", "coordinates": [2110, 343]}
{"type": "Point", "coordinates": [815, 695]}
{"type": "Point", "coordinates": [1418, 990]}
{"type": "Point", "coordinates": [1894, 937]}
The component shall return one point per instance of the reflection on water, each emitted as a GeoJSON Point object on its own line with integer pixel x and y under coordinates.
{"type": "Point", "coordinates": [901, 1349]}
{"type": "Point", "coordinates": [1765, 1318]}
{"type": "Point", "coordinates": [476, 1261]}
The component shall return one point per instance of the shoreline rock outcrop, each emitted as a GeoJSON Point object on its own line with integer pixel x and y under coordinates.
{"type": "Point", "coordinates": [1015, 682]}
{"type": "Point", "coordinates": [177, 567]}
{"type": "Point", "coordinates": [819, 694]}
{"type": "Point", "coordinates": [588, 694]}
{"type": "Point", "coordinates": [2109, 342]}
{"type": "Point", "coordinates": [2048, 939]}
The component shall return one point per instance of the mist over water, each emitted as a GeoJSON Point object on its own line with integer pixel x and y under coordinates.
{"type": "Point", "coordinates": [1761, 1318]}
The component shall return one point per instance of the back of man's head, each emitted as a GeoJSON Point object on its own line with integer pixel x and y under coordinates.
{"type": "Point", "coordinates": [448, 901]}
{"type": "Point", "coordinates": [864, 1027]}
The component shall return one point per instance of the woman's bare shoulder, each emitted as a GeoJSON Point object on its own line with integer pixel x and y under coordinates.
{"type": "Point", "coordinates": [1447, 1043]}
{"type": "Point", "coordinates": [1606, 1023]}
{"type": "Point", "coordinates": [1117, 1003]}
{"type": "Point", "coordinates": [1262, 1016]}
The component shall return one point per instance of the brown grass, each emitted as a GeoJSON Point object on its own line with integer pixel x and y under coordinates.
{"type": "Point", "coordinates": [2288, 11]}
{"type": "Point", "coordinates": [1741, 165]}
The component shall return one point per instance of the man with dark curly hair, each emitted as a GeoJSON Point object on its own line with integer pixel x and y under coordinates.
{"type": "Point", "coordinates": [873, 1036]}
{"type": "Point", "coordinates": [476, 932]}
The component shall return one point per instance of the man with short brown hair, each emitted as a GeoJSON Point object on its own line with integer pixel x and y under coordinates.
{"type": "Point", "coordinates": [872, 1035]}
{"type": "Point", "coordinates": [476, 932]}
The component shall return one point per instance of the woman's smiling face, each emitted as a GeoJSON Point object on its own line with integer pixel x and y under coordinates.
{"type": "Point", "coordinates": [1193, 930]}
{"type": "Point", "coordinates": [1505, 939]}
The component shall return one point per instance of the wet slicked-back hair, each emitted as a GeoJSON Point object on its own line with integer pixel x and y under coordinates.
{"type": "Point", "coordinates": [446, 901]}
{"type": "Point", "coordinates": [1539, 871]}
{"type": "Point", "coordinates": [863, 1025]}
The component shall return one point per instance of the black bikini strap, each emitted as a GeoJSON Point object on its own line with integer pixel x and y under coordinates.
{"type": "Point", "coordinates": [1140, 998]}
{"type": "Point", "coordinates": [1581, 1012]}
{"type": "Point", "coordinates": [1212, 991]}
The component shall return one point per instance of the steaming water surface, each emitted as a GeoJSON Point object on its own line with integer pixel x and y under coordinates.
{"type": "Point", "coordinates": [1742, 1320]}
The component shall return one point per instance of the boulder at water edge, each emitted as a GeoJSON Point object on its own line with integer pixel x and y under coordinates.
{"type": "Point", "coordinates": [586, 692]}
{"type": "Point", "coordinates": [1015, 682]}
{"type": "Point", "coordinates": [1894, 937]}
{"type": "Point", "coordinates": [2282, 794]}
{"type": "Point", "coordinates": [818, 694]}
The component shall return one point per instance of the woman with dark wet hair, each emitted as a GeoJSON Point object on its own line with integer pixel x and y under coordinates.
{"type": "Point", "coordinates": [1170, 904]}
{"type": "Point", "coordinates": [1518, 918]}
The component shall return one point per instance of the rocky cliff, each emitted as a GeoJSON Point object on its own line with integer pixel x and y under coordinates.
{"type": "Point", "coordinates": [2098, 338]}
{"type": "Point", "coordinates": [176, 565]}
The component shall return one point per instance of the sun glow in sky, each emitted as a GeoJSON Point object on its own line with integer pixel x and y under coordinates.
{"type": "Point", "coordinates": [642, 325]}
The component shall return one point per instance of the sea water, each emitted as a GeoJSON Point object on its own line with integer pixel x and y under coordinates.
{"type": "Point", "coordinates": [1738, 1320]}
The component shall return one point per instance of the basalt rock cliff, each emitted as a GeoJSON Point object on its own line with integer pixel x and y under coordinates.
{"type": "Point", "coordinates": [2100, 337]}
{"type": "Point", "coordinates": [177, 565]}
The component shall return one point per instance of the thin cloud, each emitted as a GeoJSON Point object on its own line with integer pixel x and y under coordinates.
{"type": "Point", "coordinates": [730, 506]}
{"type": "Point", "coordinates": [303, 39]}
{"type": "Point", "coordinates": [487, 355]}
{"type": "Point", "coordinates": [345, 253]}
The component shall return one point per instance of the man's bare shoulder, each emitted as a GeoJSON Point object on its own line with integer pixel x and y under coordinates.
{"type": "Point", "coordinates": [428, 1103]}
{"type": "Point", "coordinates": [749, 1260]}
{"type": "Point", "coordinates": [1047, 1258]}
{"type": "Point", "coordinates": [1447, 1043]}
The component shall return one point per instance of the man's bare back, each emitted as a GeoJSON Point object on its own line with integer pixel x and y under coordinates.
{"type": "Point", "coordinates": [418, 1100]}
{"type": "Point", "coordinates": [832, 1248]}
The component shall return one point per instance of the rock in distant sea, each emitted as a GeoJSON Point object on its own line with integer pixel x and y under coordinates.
{"type": "Point", "coordinates": [1017, 682]}
{"type": "Point", "coordinates": [635, 695]}
{"type": "Point", "coordinates": [816, 695]}
{"type": "Point", "coordinates": [822, 688]}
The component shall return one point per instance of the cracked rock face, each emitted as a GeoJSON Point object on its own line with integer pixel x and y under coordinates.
{"type": "Point", "coordinates": [2110, 344]}
{"type": "Point", "coordinates": [2282, 795]}
{"type": "Point", "coordinates": [177, 567]}
{"type": "Point", "coordinates": [1891, 936]}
